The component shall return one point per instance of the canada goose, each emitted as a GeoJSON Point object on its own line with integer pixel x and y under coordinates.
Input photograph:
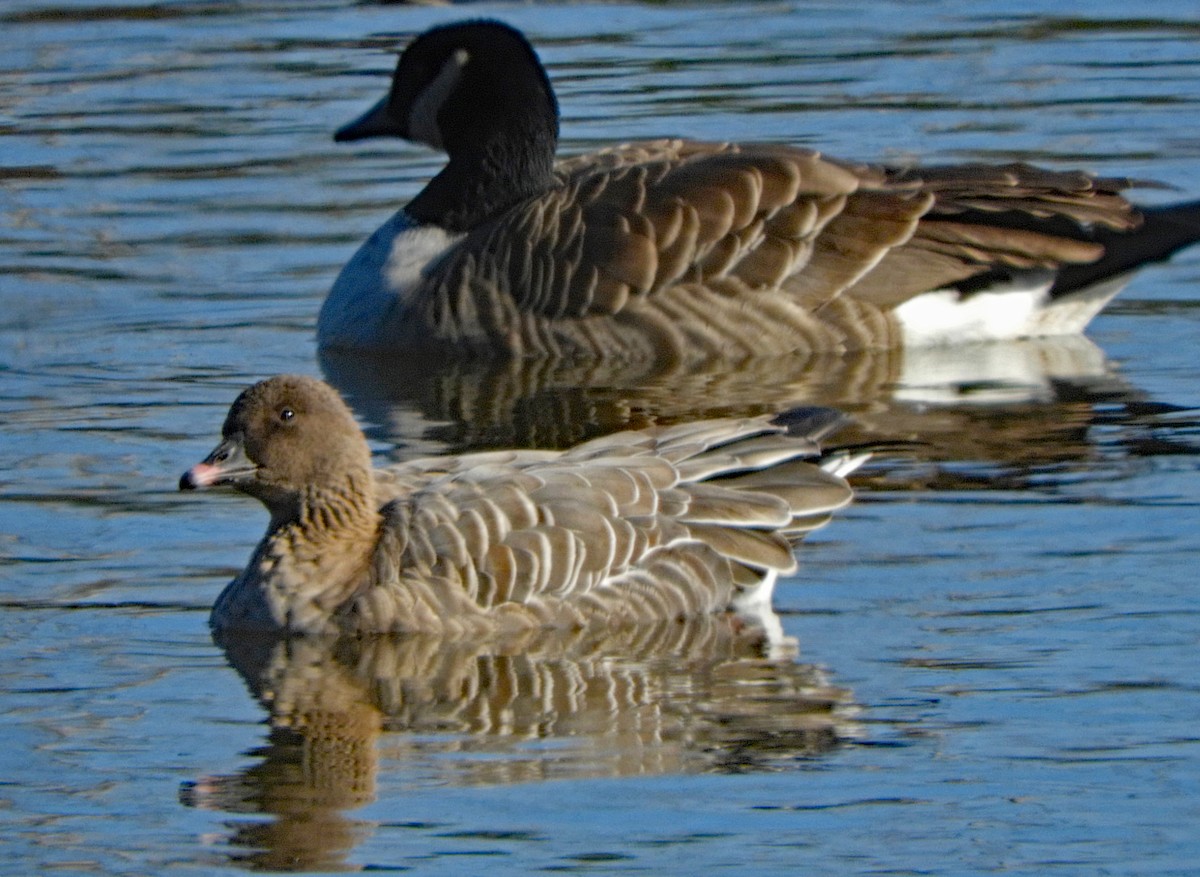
{"type": "Point", "coordinates": [633, 527]}
{"type": "Point", "coordinates": [677, 250]}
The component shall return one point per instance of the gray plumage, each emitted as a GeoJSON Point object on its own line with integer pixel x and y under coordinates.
{"type": "Point", "coordinates": [629, 528]}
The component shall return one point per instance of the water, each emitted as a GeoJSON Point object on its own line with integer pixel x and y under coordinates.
{"type": "Point", "coordinates": [997, 643]}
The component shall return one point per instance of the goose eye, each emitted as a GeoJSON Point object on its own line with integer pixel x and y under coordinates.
{"type": "Point", "coordinates": [286, 414]}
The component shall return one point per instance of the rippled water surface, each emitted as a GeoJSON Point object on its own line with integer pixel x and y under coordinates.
{"type": "Point", "coordinates": [998, 644]}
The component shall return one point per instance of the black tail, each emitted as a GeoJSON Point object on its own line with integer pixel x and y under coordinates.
{"type": "Point", "coordinates": [1163, 232]}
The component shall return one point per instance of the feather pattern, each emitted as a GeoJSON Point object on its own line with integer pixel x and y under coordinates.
{"type": "Point", "coordinates": [636, 527]}
{"type": "Point", "coordinates": [679, 251]}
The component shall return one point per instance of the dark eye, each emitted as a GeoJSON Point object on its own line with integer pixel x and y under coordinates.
{"type": "Point", "coordinates": [286, 414]}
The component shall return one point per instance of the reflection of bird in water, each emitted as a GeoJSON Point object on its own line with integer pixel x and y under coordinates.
{"type": "Point", "coordinates": [466, 404]}
{"type": "Point", "coordinates": [972, 415]}
{"type": "Point", "coordinates": [627, 529]}
{"type": "Point", "coordinates": [678, 251]}
{"type": "Point", "coordinates": [657, 699]}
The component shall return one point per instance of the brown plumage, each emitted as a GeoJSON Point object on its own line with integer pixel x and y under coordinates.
{"type": "Point", "coordinates": [677, 250]}
{"type": "Point", "coordinates": [629, 528]}
{"type": "Point", "coordinates": [733, 250]}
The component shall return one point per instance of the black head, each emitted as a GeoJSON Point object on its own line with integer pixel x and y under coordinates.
{"type": "Point", "coordinates": [458, 85]}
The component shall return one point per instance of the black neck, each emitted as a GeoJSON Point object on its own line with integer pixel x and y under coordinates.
{"type": "Point", "coordinates": [481, 182]}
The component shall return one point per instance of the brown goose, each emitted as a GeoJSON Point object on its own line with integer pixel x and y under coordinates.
{"type": "Point", "coordinates": [676, 250]}
{"type": "Point", "coordinates": [630, 528]}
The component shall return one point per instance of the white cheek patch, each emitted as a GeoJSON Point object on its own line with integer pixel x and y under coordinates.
{"type": "Point", "coordinates": [422, 121]}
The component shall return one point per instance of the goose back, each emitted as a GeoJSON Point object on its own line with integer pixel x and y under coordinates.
{"type": "Point", "coordinates": [634, 527]}
{"type": "Point", "coordinates": [678, 251]}
{"type": "Point", "coordinates": [621, 530]}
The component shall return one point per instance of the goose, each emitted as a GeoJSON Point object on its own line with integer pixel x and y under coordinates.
{"type": "Point", "coordinates": [634, 527]}
{"type": "Point", "coordinates": [681, 251]}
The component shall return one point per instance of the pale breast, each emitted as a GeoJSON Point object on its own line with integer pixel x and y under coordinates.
{"type": "Point", "coordinates": [366, 306]}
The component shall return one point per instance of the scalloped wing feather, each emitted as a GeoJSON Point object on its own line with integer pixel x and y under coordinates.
{"type": "Point", "coordinates": [686, 224]}
{"type": "Point", "coordinates": [530, 539]}
{"type": "Point", "coordinates": [983, 216]}
{"type": "Point", "coordinates": [632, 221]}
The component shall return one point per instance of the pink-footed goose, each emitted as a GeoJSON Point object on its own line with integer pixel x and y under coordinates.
{"type": "Point", "coordinates": [682, 251]}
{"type": "Point", "coordinates": [629, 528]}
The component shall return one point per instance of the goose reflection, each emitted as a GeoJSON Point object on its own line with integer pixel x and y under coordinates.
{"type": "Point", "coordinates": [709, 694]}
{"type": "Point", "coordinates": [1016, 407]}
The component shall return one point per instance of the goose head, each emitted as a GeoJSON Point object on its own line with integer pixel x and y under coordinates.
{"type": "Point", "coordinates": [286, 441]}
{"type": "Point", "coordinates": [477, 91]}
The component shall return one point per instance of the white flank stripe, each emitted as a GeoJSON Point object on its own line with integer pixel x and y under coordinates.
{"type": "Point", "coordinates": [945, 316]}
{"type": "Point", "coordinates": [1020, 309]}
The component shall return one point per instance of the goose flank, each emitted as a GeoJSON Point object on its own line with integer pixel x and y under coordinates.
{"type": "Point", "coordinates": [636, 527]}
{"type": "Point", "coordinates": [673, 250]}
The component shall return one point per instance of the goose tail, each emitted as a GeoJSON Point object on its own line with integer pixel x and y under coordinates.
{"type": "Point", "coordinates": [1163, 232]}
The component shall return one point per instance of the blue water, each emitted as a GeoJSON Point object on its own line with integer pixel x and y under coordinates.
{"type": "Point", "coordinates": [997, 665]}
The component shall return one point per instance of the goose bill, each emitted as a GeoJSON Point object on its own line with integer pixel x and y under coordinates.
{"type": "Point", "coordinates": [227, 464]}
{"type": "Point", "coordinates": [375, 122]}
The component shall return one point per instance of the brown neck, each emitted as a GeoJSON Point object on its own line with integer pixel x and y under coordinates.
{"type": "Point", "coordinates": [330, 540]}
{"type": "Point", "coordinates": [337, 516]}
